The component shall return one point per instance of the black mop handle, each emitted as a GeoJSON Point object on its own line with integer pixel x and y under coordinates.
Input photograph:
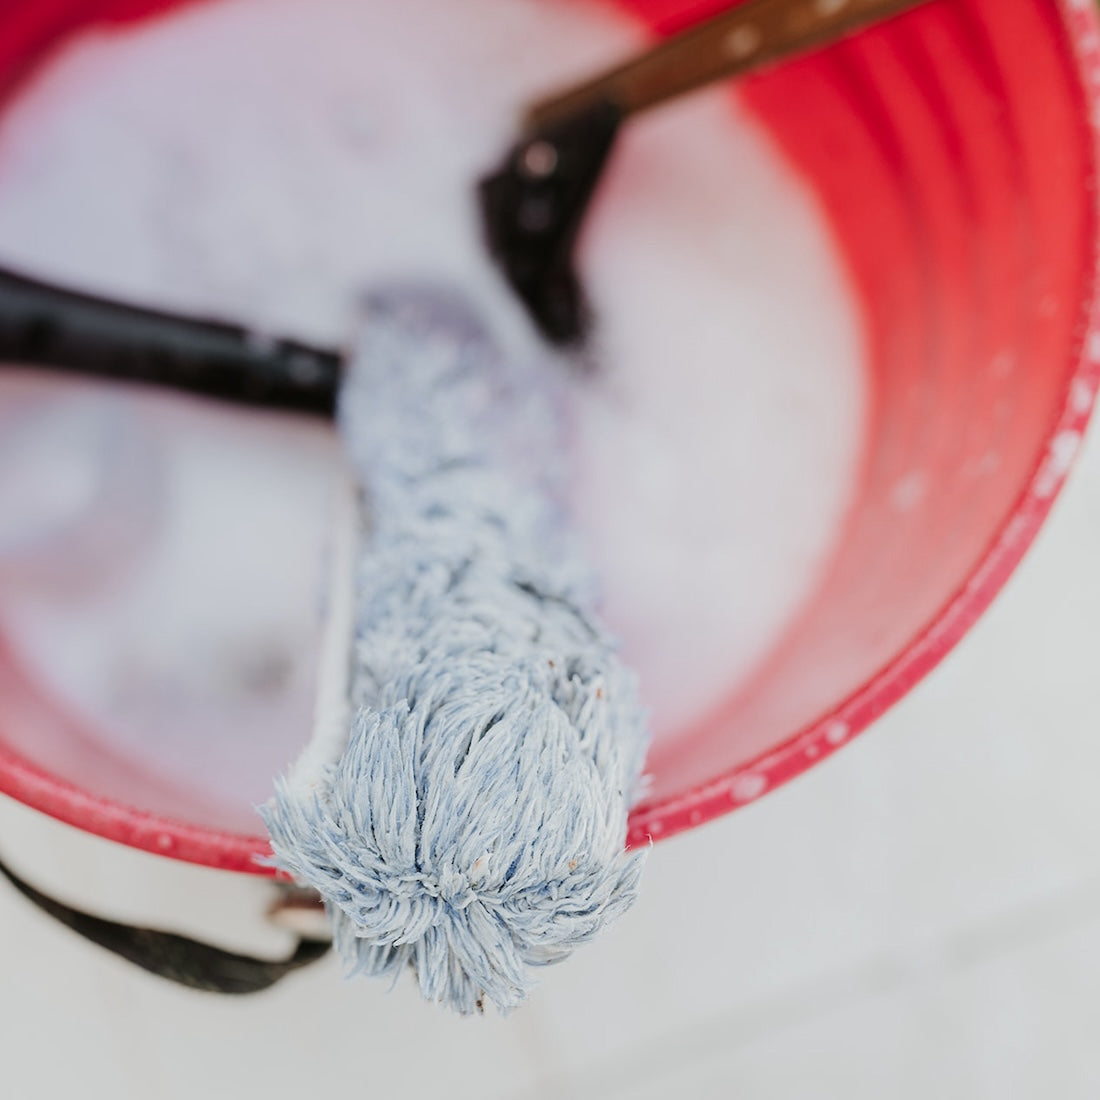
{"type": "Point", "coordinates": [48, 326]}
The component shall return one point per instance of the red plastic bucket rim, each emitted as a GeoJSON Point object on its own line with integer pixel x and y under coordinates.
{"type": "Point", "coordinates": [746, 782]}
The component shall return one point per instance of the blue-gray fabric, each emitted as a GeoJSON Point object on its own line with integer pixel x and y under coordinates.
{"type": "Point", "coordinates": [474, 827]}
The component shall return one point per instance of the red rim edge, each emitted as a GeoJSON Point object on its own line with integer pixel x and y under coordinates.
{"type": "Point", "coordinates": [745, 783]}
{"type": "Point", "coordinates": [749, 781]}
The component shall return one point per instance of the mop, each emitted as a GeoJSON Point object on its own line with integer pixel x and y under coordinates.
{"type": "Point", "coordinates": [462, 810]}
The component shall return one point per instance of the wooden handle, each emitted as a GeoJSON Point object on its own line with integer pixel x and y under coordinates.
{"type": "Point", "coordinates": [748, 36]}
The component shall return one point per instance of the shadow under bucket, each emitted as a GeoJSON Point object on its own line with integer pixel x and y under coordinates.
{"type": "Point", "coordinates": [948, 161]}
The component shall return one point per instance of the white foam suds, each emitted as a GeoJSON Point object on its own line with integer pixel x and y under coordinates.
{"type": "Point", "coordinates": [265, 160]}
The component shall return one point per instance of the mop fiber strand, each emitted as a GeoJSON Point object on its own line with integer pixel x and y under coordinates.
{"type": "Point", "coordinates": [473, 827]}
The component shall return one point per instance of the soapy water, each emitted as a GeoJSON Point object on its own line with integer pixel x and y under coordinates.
{"type": "Point", "coordinates": [267, 160]}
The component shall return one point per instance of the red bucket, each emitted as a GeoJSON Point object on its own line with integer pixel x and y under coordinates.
{"type": "Point", "coordinates": [953, 152]}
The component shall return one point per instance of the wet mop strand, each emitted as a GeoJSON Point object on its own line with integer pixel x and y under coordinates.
{"type": "Point", "coordinates": [473, 824]}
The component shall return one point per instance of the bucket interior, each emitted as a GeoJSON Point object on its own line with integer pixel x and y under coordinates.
{"type": "Point", "coordinates": [944, 180]}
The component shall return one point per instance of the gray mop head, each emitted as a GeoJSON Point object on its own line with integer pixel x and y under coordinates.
{"type": "Point", "coordinates": [473, 825]}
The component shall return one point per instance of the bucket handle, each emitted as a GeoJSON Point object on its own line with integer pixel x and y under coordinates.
{"type": "Point", "coordinates": [169, 955]}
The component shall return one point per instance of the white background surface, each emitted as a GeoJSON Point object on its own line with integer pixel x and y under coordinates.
{"type": "Point", "coordinates": [918, 917]}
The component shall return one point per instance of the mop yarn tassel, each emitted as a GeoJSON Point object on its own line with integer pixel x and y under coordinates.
{"type": "Point", "coordinates": [473, 826]}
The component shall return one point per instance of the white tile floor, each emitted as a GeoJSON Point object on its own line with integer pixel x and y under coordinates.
{"type": "Point", "coordinates": [919, 917]}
